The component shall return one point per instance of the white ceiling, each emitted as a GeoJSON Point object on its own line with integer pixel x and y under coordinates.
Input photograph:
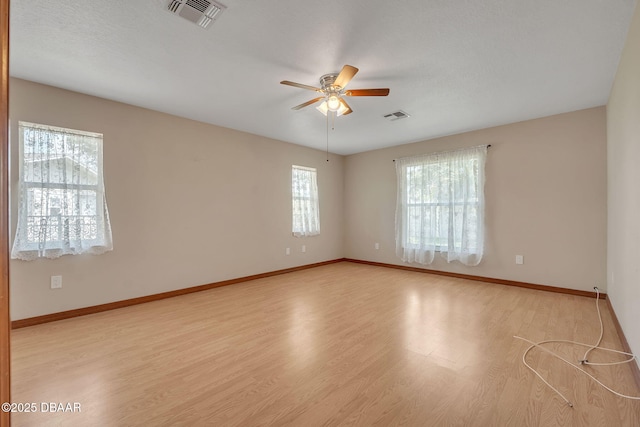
{"type": "Point", "coordinates": [453, 65]}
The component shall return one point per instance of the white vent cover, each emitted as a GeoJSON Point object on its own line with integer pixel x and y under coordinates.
{"type": "Point", "coordinates": [200, 12]}
{"type": "Point", "coordinates": [396, 116]}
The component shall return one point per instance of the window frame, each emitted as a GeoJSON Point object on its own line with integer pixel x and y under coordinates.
{"type": "Point", "coordinates": [301, 201]}
{"type": "Point", "coordinates": [28, 217]}
{"type": "Point", "coordinates": [440, 206]}
{"type": "Point", "coordinates": [475, 203]}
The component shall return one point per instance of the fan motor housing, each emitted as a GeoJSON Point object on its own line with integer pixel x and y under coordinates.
{"type": "Point", "coordinates": [327, 81]}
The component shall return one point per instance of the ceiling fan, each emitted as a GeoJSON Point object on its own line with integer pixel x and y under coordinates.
{"type": "Point", "coordinates": [333, 90]}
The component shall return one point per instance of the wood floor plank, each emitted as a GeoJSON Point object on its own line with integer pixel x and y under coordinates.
{"type": "Point", "coordinates": [344, 344]}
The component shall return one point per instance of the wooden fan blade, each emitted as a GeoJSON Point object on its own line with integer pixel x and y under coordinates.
{"type": "Point", "coordinates": [367, 92]}
{"type": "Point", "coordinates": [345, 76]}
{"type": "Point", "coordinates": [313, 101]}
{"type": "Point", "coordinates": [300, 85]}
{"type": "Point", "coordinates": [349, 110]}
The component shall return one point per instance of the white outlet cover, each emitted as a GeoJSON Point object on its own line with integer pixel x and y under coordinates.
{"type": "Point", "coordinates": [304, 248]}
{"type": "Point", "coordinates": [56, 282]}
{"type": "Point", "coordinates": [519, 259]}
{"type": "Point", "coordinates": [287, 251]}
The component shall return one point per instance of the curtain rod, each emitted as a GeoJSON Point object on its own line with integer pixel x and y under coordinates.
{"type": "Point", "coordinates": [488, 146]}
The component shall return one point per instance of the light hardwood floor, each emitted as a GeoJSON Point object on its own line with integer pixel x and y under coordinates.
{"type": "Point", "coordinates": [343, 344]}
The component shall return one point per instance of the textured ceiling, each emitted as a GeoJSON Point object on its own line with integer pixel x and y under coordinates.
{"type": "Point", "coordinates": [454, 66]}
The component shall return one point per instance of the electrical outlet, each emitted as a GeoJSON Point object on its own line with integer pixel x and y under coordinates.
{"type": "Point", "coordinates": [377, 246]}
{"type": "Point", "coordinates": [519, 259]}
{"type": "Point", "coordinates": [56, 282]}
{"type": "Point", "coordinates": [304, 249]}
{"type": "Point", "coordinates": [287, 251]}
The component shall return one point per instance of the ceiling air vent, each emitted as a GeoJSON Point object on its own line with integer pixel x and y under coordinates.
{"type": "Point", "coordinates": [392, 117]}
{"type": "Point", "coordinates": [200, 12]}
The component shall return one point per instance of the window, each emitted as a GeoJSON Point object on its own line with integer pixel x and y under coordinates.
{"type": "Point", "coordinates": [62, 208]}
{"type": "Point", "coordinates": [304, 190]}
{"type": "Point", "coordinates": [440, 206]}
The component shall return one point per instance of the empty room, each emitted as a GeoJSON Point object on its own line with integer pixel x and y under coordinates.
{"type": "Point", "coordinates": [243, 213]}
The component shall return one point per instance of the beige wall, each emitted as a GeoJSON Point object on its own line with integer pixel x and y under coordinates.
{"type": "Point", "coordinates": [545, 196]}
{"type": "Point", "coordinates": [623, 151]}
{"type": "Point", "coordinates": [190, 204]}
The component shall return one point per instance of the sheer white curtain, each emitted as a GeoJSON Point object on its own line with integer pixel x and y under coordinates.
{"type": "Point", "coordinates": [62, 205]}
{"type": "Point", "coordinates": [440, 206]}
{"type": "Point", "coordinates": [305, 204]}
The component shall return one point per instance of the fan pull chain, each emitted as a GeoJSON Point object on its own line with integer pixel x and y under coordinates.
{"type": "Point", "coordinates": [327, 137]}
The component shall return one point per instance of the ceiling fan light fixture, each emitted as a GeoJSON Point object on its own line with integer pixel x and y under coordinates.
{"type": "Point", "coordinates": [324, 108]}
{"type": "Point", "coordinates": [333, 103]}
